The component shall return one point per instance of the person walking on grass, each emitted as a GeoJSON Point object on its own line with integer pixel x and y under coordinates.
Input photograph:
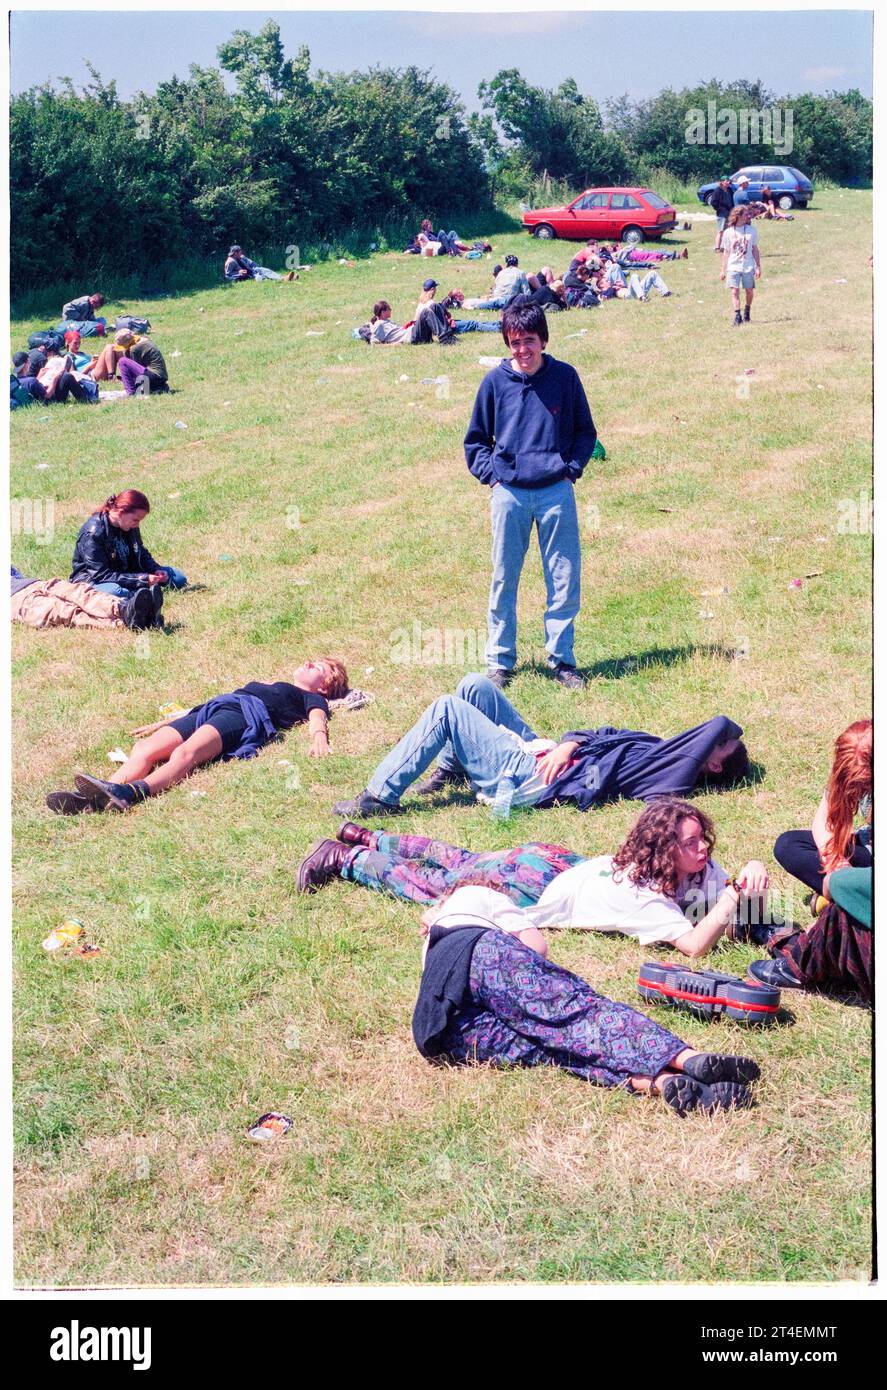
{"type": "Point", "coordinates": [741, 261]}
{"type": "Point", "coordinates": [233, 725]}
{"type": "Point", "coordinates": [530, 436]}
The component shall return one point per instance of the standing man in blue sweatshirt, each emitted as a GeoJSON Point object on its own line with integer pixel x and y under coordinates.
{"type": "Point", "coordinates": [530, 436]}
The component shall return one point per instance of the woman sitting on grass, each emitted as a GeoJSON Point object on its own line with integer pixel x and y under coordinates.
{"type": "Point", "coordinates": [662, 885]}
{"type": "Point", "coordinates": [831, 843]}
{"type": "Point", "coordinates": [235, 725]}
{"type": "Point", "coordinates": [487, 997]}
{"type": "Point", "coordinates": [109, 553]}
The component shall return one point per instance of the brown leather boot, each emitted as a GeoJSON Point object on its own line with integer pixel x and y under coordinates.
{"type": "Point", "coordinates": [350, 833]}
{"type": "Point", "coordinates": [323, 862]}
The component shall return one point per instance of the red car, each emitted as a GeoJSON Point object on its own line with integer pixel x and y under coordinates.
{"type": "Point", "coordinates": [608, 214]}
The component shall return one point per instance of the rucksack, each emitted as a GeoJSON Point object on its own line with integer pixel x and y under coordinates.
{"type": "Point", "coordinates": [48, 337]}
{"type": "Point", "coordinates": [365, 332]}
{"type": "Point", "coordinates": [134, 325]}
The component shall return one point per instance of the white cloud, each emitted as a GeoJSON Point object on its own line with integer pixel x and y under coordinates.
{"type": "Point", "coordinates": [823, 74]}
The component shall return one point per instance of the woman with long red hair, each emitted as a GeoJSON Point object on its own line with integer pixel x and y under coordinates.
{"type": "Point", "coordinates": [832, 842]}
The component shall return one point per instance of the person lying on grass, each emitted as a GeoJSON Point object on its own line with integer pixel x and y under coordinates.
{"type": "Point", "coordinates": [481, 740]}
{"type": "Point", "coordinates": [661, 885]}
{"type": "Point", "coordinates": [43, 603]}
{"type": "Point", "coordinates": [235, 725]}
{"type": "Point", "coordinates": [487, 996]}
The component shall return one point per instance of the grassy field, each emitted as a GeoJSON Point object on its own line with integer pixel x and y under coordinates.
{"type": "Point", "coordinates": [324, 505]}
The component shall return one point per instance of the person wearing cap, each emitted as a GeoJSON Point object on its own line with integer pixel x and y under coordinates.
{"type": "Point", "coordinates": [83, 310]}
{"type": "Point", "coordinates": [742, 197]}
{"type": "Point", "coordinates": [509, 283]}
{"type": "Point", "coordinates": [25, 389]}
{"type": "Point", "coordinates": [721, 203]}
{"type": "Point", "coordinates": [104, 367]}
{"type": "Point", "coordinates": [240, 267]}
{"type": "Point", "coordinates": [431, 321]}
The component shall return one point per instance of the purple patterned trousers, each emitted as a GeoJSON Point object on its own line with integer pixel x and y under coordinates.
{"type": "Point", "coordinates": [422, 870]}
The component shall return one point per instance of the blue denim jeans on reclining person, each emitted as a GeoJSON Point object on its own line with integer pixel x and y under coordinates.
{"type": "Point", "coordinates": [177, 580]}
{"type": "Point", "coordinates": [514, 512]}
{"type": "Point", "coordinates": [459, 731]}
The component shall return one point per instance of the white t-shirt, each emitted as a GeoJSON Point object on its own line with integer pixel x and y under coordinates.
{"type": "Point", "coordinates": [588, 898]}
{"type": "Point", "coordinates": [385, 331]}
{"type": "Point", "coordinates": [739, 246]}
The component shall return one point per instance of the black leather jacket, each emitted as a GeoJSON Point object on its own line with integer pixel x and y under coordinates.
{"type": "Point", "coordinates": [104, 554]}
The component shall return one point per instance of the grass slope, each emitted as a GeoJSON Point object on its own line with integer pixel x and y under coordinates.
{"type": "Point", "coordinates": [325, 505]}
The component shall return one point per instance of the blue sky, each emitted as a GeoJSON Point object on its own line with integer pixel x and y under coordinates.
{"type": "Point", "coordinates": [608, 52]}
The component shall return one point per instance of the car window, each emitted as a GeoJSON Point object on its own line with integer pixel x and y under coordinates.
{"type": "Point", "coordinates": [623, 201]}
{"type": "Point", "coordinates": [654, 199]}
{"type": "Point", "coordinates": [774, 176]}
{"type": "Point", "coordinates": [796, 173]}
{"type": "Point", "coordinates": [753, 175]}
{"type": "Point", "coordinates": [591, 200]}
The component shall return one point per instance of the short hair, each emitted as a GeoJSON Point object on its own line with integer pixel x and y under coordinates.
{"type": "Point", "coordinates": [96, 299]}
{"type": "Point", "coordinates": [511, 260]}
{"type": "Point", "coordinates": [19, 359]}
{"type": "Point", "coordinates": [379, 307]}
{"type": "Point", "coordinates": [36, 360]}
{"type": "Point", "coordinates": [733, 769]}
{"type": "Point", "coordinates": [338, 683]}
{"type": "Point", "coordinates": [523, 316]}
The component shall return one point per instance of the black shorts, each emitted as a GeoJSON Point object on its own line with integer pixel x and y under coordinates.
{"type": "Point", "coordinates": [228, 723]}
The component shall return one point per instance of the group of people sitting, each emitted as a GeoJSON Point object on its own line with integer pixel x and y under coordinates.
{"type": "Point", "coordinates": [115, 580]}
{"type": "Point", "coordinates": [55, 368]}
{"type": "Point", "coordinates": [428, 242]}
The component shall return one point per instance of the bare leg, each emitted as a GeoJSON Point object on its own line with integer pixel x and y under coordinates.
{"type": "Point", "coordinates": [203, 745]}
{"type": "Point", "coordinates": [146, 754]}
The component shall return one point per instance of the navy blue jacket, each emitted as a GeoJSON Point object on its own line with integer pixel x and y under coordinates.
{"type": "Point", "coordinates": [104, 554]}
{"type": "Point", "coordinates": [530, 431]}
{"type": "Point", "coordinates": [621, 762]}
{"type": "Point", "coordinates": [445, 990]}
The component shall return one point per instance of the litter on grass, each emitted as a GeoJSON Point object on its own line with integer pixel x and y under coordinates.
{"type": "Point", "coordinates": [354, 699]}
{"type": "Point", "coordinates": [197, 792]}
{"type": "Point", "coordinates": [315, 333]}
{"type": "Point", "coordinates": [41, 465]}
{"type": "Point", "coordinates": [175, 354]}
{"type": "Point", "coordinates": [488, 361]}
{"type": "Point", "coordinates": [67, 934]}
{"type": "Point", "coordinates": [116, 755]}
{"type": "Point", "coordinates": [403, 377]}
{"type": "Point", "coordinates": [434, 380]}
{"type": "Point", "coordinates": [173, 495]}
{"type": "Point", "coordinates": [795, 583]}
{"type": "Point", "coordinates": [583, 332]}
{"type": "Point", "coordinates": [706, 614]}
{"type": "Point", "coordinates": [180, 425]}
{"type": "Point", "coordinates": [270, 1126]}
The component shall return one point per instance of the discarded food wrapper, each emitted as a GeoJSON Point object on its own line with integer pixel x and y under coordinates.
{"type": "Point", "coordinates": [116, 755]}
{"type": "Point", "coordinates": [41, 465]}
{"type": "Point", "coordinates": [795, 583]}
{"type": "Point", "coordinates": [171, 710]}
{"type": "Point", "coordinates": [270, 1126]}
{"type": "Point", "coordinates": [86, 948]}
{"type": "Point", "coordinates": [583, 332]}
{"type": "Point", "coordinates": [180, 425]}
{"type": "Point", "coordinates": [67, 934]}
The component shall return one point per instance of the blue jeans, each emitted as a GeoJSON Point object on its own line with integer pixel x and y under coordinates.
{"type": "Point", "coordinates": [460, 731]}
{"type": "Point", "coordinates": [489, 303]}
{"type": "Point", "coordinates": [177, 580]}
{"type": "Point", "coordinates": [475, 326]}
{"type": "Point", "coordinates": [514, 511]}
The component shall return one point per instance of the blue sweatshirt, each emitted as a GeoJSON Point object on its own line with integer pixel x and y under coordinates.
{"type": "Point", "coordinates": [530, 431]}
{"type": "Point", "coordinates": [622, 762]}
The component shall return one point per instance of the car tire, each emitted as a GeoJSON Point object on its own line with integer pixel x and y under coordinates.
{"type": "Point", "coordinates": [633, 235]}
{"type": "Point", "coordinates": [544, 232]}
{"type": "Point", "coordinates": [785, 202]}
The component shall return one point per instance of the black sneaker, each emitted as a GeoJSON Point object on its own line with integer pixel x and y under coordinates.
{"type": "Point", "coordinates": [568, 676]}
{"type": "Point", "coordinates": [140, 609]}
{"type": "Point", "coordinates": [499, 677]}
{"type": "Point", "coordinates": [737, 319]}
{"type": "Point", "coordinates": [365, 805]}
{"type": "Point", "coordinates": [441, 777]}
{"type": "Point", "coordinates": [68, 803]}
{"type": "Point", "coordinates": [747, 314]}
{"type": "Point", "coordinates": [773, 972]}
{"type": "Point", "coordinates": [115, 796]}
